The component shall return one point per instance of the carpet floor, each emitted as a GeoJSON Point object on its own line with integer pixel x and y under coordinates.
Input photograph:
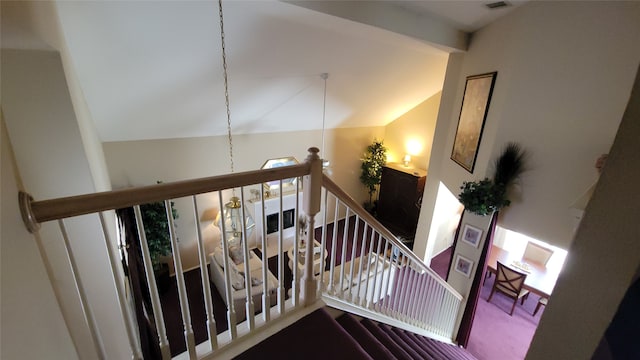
{"type": "Point", "coordinates": [495, 334]}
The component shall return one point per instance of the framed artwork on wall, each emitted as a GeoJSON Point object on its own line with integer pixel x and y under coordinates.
{"type": "Point", "coordinates": [463, 265]}
{"type": "Point", "coordinates": [473, 113]}
{"type": "Point", "coordinates": [471, 235]}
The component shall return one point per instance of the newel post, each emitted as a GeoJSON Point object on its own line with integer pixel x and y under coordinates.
{"type": "Point", "coordinates": [312, 188]}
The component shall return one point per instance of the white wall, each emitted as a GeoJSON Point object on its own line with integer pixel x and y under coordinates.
{"type": "Point", "coordinates": [415, 126]}
{"type": "Point", "coordinates": [136, 163]}
{"type": "Point", "coordinates": [51, 160]}
{"type": "Point", "coordinates": [560, 92]}
{"type": "Point", "coordinates": [604, 258]}
{"type": "Point", "coordinates": [27, 297]}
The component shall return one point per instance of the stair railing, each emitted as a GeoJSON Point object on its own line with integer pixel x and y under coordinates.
{"type": "Point", "coordinates": [370, 272]}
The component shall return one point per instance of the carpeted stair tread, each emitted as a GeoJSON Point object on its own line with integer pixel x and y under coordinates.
{"type": "Point", "coordinates": [448, 351]}
{"type": "Point", "coordinates": [434, 353]}
{"type": "Point", "coordinates": [437, 349]}
{"type": "Point", "coordinates": [300, 340]}
{"type": "Point", "coordinates": [400, 341]}
{"type": "Point", "coordinates": [411, 342]}
{"type": "Point", "coordinates": [368, 341]}
{"type": "Point", "coordinates": [385, 339]}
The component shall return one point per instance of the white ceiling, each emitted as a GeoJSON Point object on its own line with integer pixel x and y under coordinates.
{"type": "Point", "coordinates": [153, 69]}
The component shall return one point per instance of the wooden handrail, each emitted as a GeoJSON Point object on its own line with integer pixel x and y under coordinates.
{"type": "Point", "coordinates": [35, 212]}
{"type": "Point", "coordinates": [356, 207]}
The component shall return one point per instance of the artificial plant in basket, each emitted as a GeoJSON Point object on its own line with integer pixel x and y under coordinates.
{"type": "Point", "coordinates": [485, 196]}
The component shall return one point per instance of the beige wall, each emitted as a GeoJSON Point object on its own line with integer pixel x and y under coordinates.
{"type": "Point", "coordinates": [560, 92]}
{"type": "Point", "coordinates": [136, 163]}
{"type": "Point", "coordinates": [57, 151]}
{"type": "Point", "coordinates": [27, 297]}
{"type": "Point", "coordinates": [417, 125]}
{"type": "Point", "coordinates": [57, 138]}
{"type": "Point", "coordinates": [604, 258]}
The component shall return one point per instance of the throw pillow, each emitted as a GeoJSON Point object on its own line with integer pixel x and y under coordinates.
{"type": "Point", "coordinates": [235, 252]}
{"type": "Point", "coordinates": [236, 277]}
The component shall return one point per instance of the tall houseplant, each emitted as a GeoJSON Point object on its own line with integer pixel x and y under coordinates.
{"type": "Point", "coordinates": [156, 230]}
{"type": "Point", "coordinates": [372, 162]}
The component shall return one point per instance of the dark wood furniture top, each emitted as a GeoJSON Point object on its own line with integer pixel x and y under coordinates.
{"type": "Point", "coordinates": [540, 279]}
{"type": "Point", "coordinates": [400, 199]}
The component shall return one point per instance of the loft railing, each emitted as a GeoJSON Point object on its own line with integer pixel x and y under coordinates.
{"type": "Point", "coordinates": [368, 271]}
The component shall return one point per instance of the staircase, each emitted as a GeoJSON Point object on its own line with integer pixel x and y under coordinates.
{"type": "Point", "coordinates": [367, 271]}
{"type": "Point", "coordinates": [346, 337]}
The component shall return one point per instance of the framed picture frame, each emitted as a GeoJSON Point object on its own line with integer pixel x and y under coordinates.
{"type": "Point", "coordinates": [463, 265]}
{"type": "Point", "coordinates": [473, 113]}
{"type": "Point", "coordinates": [471, 235]}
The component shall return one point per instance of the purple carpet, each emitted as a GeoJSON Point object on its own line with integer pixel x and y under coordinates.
{"type": "Point", "coordinates": [495, 334]}
{"type": "Point", "coordinates": [349, 338]}
{"type": "Point", "coordinates": [301, 341]}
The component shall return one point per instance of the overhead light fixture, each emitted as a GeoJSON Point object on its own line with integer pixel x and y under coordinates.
{"type": "Point", "coordinates": [232, 212]}
{"type": "Point", "coordinates": [232, 217]}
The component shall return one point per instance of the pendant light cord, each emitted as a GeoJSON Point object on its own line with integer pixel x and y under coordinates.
{"type": "Point", "coordinates": [226, 85]}
{"type": "Point", "coordinates": [324, 76]}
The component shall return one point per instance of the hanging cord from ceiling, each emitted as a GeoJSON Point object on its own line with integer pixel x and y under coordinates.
{"type": "Point", "coordinates": [226, 85]}
{"type": "Point", "coordinates": [324, 76]}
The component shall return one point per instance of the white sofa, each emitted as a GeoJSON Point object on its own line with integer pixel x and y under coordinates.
{"type": "Point", "coordinates": [238, 282]}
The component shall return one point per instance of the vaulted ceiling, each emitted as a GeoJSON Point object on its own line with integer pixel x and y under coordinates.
{"type": "Point", "coordinates": [153, 69]}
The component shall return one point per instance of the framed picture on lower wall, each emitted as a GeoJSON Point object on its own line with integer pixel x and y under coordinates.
{"type": "Point", "coordinates": [471, 235]}
{"type": "Point", "coordinates": [463, 265]}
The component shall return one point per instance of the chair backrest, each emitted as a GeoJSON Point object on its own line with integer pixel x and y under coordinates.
{"type": "Point", "coordinates": [536, 253]}
{"type": "Point", "coordinates": [509, 280]}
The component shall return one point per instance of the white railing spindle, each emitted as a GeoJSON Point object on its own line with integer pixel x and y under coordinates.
{"type": "Point", "coordinates": [247, 270]}
{"type": "Point", "coordinates": [86, 308]}
{"type": "Point", "coordinates": [120, 292]}
{"type": "Point", "coordinates": [266, 298]}
{"type": "Point", "coordinates": [153, 288]}
{"type": "Point", "coordinates": [206, 287]}
{"type": "Point", "coordinates": [182, 288]}
{"type": "Point", "coordinates": [231, 313]}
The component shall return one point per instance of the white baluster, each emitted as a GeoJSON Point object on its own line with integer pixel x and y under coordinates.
{"type": "Point", "coordinates": [323, 241]}
{"type": "Point", "coordinates": [281, 286]}
{"type": "Point", "coordinates": [206, 287]}
{"type": "Point", "coordinates": [343, 265]}
{"type": "Point", "coordinates": [120, 292]}
{"type": "Point", "coordinates": [231, 313]}
{"type": "Point", "coordinates": [182, 289]}
{"type": "Point", "coordinates": [379, 262]}
{"type": "Point", "coordinates": [86, 308]}
{"type": "Point", "coordinates": [365, 302]}
{"type": "Point", "coordinates": [356, 296]}
{"type": "Point", "coordinates": [247, 269]}
{"type": "Point", "coordinates": [153, 288]}
{"type": "Point", "coordinates": [332, 260]}
{"type": "Point", "coordinates": [266, 297]}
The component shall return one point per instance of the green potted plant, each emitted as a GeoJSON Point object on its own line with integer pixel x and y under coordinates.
{"type": "Point", "coordinates": [156, 230]}
{"type": "Point", "coordinates": [488, 195]}
{"type": "Point", "coordinates": [372, 162]}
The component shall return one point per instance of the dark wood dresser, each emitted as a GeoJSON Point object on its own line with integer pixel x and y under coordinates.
{"type": "Point", "coordinates": [400, 199]}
